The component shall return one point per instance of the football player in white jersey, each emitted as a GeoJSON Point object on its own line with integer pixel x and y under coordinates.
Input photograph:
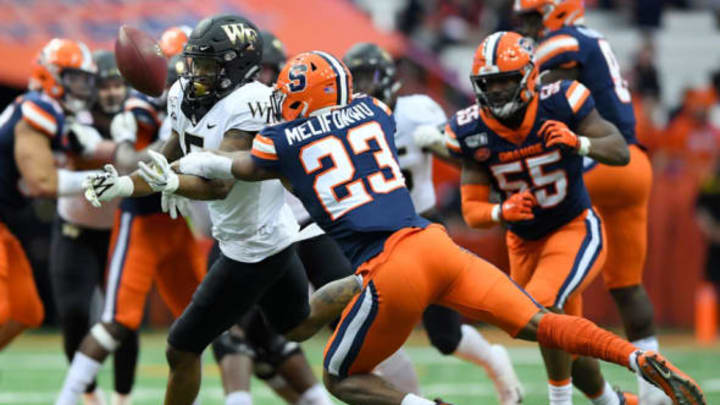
{"type": "Point", "coordinates": [217, 105]}
{"type": "Point", "coordinates": [374, 73]}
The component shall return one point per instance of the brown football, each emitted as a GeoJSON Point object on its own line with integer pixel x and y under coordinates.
{"type": "Point", "coordinates": [141, 61]}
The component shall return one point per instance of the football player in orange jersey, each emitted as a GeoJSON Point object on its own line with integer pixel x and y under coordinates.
{"type": "Point", "coordinates": [521, 140]}
{"type": "Point", "coordinates": [570, 50]}
{"type": "Point", "coordinates": [32, 127]}
{"type": "Point", "coordinates": [338, 154]}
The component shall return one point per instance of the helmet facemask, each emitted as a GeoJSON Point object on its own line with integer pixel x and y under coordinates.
{"type": "Point", "coordinates": [502, 93]}
{"type": "Point", "coordinates": [111, 93]}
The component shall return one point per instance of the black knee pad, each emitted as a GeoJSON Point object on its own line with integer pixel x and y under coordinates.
{"type": "Point", "coordinates": [227, 343]}
{"type": "Point", "coordinates": [271, 356]}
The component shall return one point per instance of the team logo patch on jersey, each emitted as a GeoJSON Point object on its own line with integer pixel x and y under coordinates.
{"type": "Point", "coordinates": [482, 154]}
{"type": "Point", "coordinates": [476, 140]}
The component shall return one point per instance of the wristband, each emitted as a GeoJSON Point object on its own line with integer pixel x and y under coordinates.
{"type": "Point", "coordinates": [71, 182]}
{"type": "Point", "coordinates": [584, 147]}
{"type": "Point", "coordinates": [496, 213]}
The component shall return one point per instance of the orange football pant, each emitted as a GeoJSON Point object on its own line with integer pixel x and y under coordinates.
{"type": "Point", "coordinates": [419, 267]}
{"type": "Point", "coordinates": [556, 269]}
{"type": "Point", "coordinates": [147, 248]}
{"type": "Point", "coordinates": [621, 195]}
{"type": "Point", "coordinates": [19, 299]}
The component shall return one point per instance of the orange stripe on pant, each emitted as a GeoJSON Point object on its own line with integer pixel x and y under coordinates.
{"type": "Point", "coordinates": [19, 299]}
{"type": "Point", "coordinates": [417, 268]}
{"type": "Point", "coordinates": [621, 195]}
{"type": "Point", "coordinates": [557, 268]}
{"type": "Point", "coordinates": [147, 248]}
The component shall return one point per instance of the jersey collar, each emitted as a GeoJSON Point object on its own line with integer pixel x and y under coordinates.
{"type": "Point", "coordinates": [516, 136]}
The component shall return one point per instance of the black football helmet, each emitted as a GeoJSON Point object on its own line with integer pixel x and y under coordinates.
{"type": "Point", "coordinates": [110, 87]}
{"type": "Point", "coordinates": [223, 52]}
{"type": "Point", "coordinates": [374, 71]}
{"type": "Point", "coordinates": [273, 58]}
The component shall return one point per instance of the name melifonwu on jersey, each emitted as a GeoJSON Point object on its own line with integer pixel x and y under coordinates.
{"type": "Point", "coordinates": [416, 165]}
{"type": "Point", "coordinates": [342, 165]}
{"type": "Point", "coordinates": [253, 221]}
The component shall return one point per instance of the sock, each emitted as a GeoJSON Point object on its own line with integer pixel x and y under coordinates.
{"type": "Point", "coordinates": [607, 396]}
{"type": "Point", "coordinates": [238, 398]}
{"type": "Point", "coordinates": [474, 348]}
{"type": "Point", "coordinates": [315, 395]}
{"type": "Point", "coordinates": [579, 336]}
{"type": "Point", "coordinates": [120, 399]}
{"type": "Point", "coordinates": [398, 370]}
{"type": "Point", "coordinates": [646, 391]}
{"type": "Point", "coordinates": [560, 392]}
{"type": "Point", "coordinates": [82, 371]}
{"type": "Point", "coordinates": [412, 399]}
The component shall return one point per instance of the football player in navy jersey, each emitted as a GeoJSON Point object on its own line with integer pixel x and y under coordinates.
{"type": "Point", "coordinates": [374, 73]}
{"type": "Point", "coordinates": [567, 49]}
{"type": "Point", "coordinates": [337, 154]}
{"type": "Point", "coordinates": [32, 127]}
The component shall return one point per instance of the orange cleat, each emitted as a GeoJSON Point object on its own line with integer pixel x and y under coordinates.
{"type": "Point", "coordinates": [682, 389]}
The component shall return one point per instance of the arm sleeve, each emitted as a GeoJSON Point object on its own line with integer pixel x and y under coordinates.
{"type": "Point", "coordinates": [557, 52]}
{"type": "Point", "coordinates": [264, 153]}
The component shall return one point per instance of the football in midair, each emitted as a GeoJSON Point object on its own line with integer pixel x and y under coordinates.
{"type": "Point", "coordinates": [140, 60]}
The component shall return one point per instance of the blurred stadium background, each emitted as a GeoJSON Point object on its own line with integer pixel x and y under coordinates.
{"type": "Point", "coordinates": [668, 50]}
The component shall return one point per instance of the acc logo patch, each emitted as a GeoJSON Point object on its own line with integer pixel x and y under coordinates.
{"type": "Point", "coordinates": [476, 140]}
{"type": "Point", "coordinates": [482, 154]}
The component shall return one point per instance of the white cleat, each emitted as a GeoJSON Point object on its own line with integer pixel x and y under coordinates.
{"type": "Point", "coordinates": [507, 384]}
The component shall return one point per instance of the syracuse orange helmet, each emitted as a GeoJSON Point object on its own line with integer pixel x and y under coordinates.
{"type": "Point", "coordinates": [555, 13]}
{"type": "Point", "coordinates": [64, 69]}
{"type": "Point", "coordinates": [504, 56]}
{"type": "Point", "coordinates": [174, 39]}
{"type": "Point", "coordinates": [309, 82]}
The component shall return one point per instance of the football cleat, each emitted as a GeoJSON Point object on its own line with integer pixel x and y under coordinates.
{"type": "Point", "coordinates": [682, 389]}
{"type": "Point", "coordinates": [439, 401]}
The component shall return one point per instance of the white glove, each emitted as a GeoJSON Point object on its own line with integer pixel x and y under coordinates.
{"type": "Point", "coordinates": [174, 204]}
{"type": "Point", "coordinates": [158, 174]}
{"type": "Point", "coordinates": [107, 185]}
{"type": "Point", "coordinates": [123, 127]}
{"type": "Point", "coordinates": [427, 135]}
{"type": "Point", "coordinates": [87, 136]}
{"type": "Point", "coordinates": [207, 165]}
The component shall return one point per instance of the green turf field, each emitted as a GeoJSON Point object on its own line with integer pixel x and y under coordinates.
{"type": "Point", "coordinates": [32, 369]}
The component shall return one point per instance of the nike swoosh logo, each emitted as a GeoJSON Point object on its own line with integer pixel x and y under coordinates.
{"type": "Point", "coordinates": [211, 126]}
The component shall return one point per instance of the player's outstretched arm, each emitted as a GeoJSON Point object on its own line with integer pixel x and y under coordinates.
{"type": "Point", "coordinates": [595, 137]}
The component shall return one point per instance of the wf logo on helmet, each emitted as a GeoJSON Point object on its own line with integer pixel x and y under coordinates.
{"type": "Point", "coordinates": [240, 31]}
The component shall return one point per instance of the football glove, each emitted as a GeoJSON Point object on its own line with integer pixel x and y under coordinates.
{"type": "Point", "coordinates": [518, 207]}
{"type": "Point", "coordinates": [174, 204]}
{"type": "Point", "coordinates": [107, 185]}
{"type": "Point", "coordinates": [123, 127]}
{"type": "Point", "coordinates": [425, 136]}
{"type": "Point", "coordinates": [158, 174]}
{"type": "Point", "coordinates": [556, 133]}
{"type": "Point", "coordinates": [207, 165]}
